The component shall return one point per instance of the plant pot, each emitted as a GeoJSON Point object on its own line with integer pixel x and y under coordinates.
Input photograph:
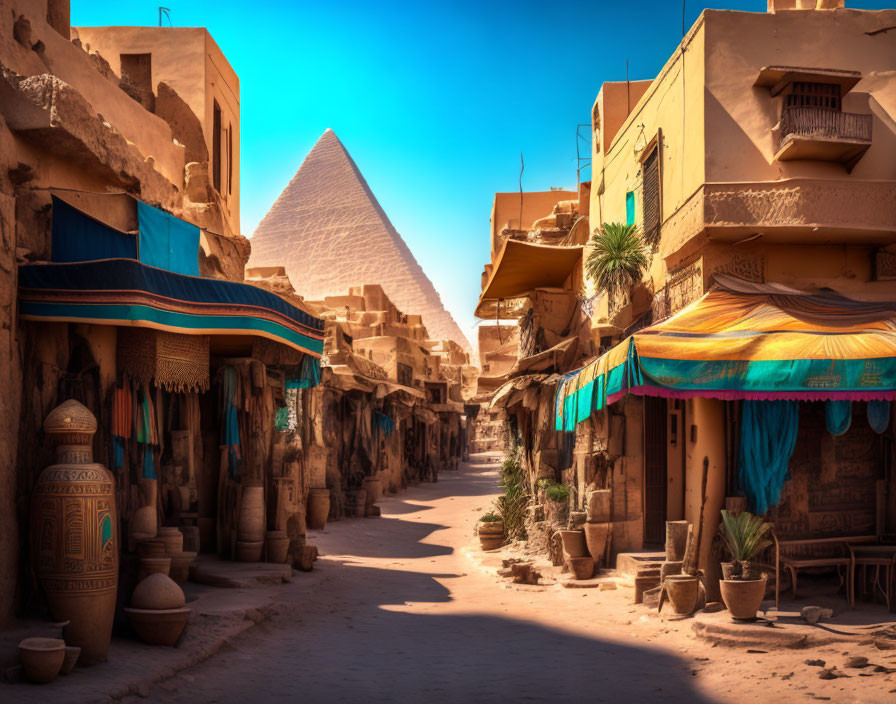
{"type": "Point", "coordinates": [682, 591]}
{"type": "Point", "coordinates": [153, 565]}
{"type": "Point", "coordinates": [581, 567]}
{"type": "Point", "coordinates": [573, 543]}
{"type": "Point", "coordinates": [374, 489]}
{"type": "Point", "coordinates": [491, 534]}
{"type": "Point", "coordinates": [276, 545]}
{"type": "Point", "coordinates": [596, 536]}
{"type": "Point", "coordinates": [42, 658]}
{"type": "Point", "coordinates": [249, 551]}
{"type": "Point", "coordinates": [180, 566]}
{"type": "Point", "coordinates": [72, 653]}
{"type": "Point", "coordinates": [318, 508]}
{"type": "Point", "coordinates": [158, 626]}
{"type": "Point", "coordinates": [743, 596]}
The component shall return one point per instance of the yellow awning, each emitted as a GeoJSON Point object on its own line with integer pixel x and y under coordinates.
{"type": "Point", "coordinates": [522, 267]}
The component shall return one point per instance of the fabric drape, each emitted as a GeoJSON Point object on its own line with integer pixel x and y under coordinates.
{"type": "Point", "coordinates": [767, 438]}
{"type": "Point", "coordinates": [879, 415]}
{"type": "Point", "coordinates": [838, 416]}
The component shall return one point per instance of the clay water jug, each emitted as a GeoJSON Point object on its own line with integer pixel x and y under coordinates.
{"type": "Point", "coordinates": [74, 533]}
{"type": "Point", "coordinates": [251, 519]}
{"type": "Point", "coordinates": [318, 508]}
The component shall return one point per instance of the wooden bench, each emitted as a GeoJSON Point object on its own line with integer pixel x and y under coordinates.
{"type": "Point", "coordinates": [837, 554]}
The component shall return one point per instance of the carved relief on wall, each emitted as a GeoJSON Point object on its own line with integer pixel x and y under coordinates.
{"type": "Point", "coordinates": [746, 266]}
{"type": "Point", "coordinates": [684, 286]}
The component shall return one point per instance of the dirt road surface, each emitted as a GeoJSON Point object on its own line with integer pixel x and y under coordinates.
{"type": "Point", "coordinates": [405, 613]}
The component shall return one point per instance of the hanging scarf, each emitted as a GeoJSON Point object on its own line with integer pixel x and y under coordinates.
{"type": "Point", "coordinates": [147, 432]}
{"type": "Point", "coordinates": [838, 416]}
{"type": "Point", "coordinates": [768, 431]}
{"type": "Point", "coordinates": [229, 422]}
{"type": "Point", "coordinates": [122, 415]}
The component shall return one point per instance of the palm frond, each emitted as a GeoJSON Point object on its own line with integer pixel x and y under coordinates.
{"type": "Point", "coordinates": [745, 535]}
{"type": "Point", "coordinates": [618, 256]}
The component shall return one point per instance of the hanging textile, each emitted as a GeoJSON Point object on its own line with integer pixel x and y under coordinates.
{"type": "Point", "coordinates": [229, 422]}
{"type": "Point", "coordinates": [309, 374]}
{"type": "Point", "coordinates": [147, 431]}
{"type": "Point", "coordinates": [78, 237]}
{"type": "Point", "coordinates": [383, 423]}
{"type": "Point", "coordinates": [879, 415]}
{"type": "Point", "coordinates": [122, 415]}
{"type": "Point", "coordinates": [281, 419]}
{"type": "Point", "coordinates": [838, 416]}
{"type": "Point", "coordinates": [566, 444]}
{"type": "Point", "coordinates": [167, 242]}
{"type": "Point", "coordinates": [767, 438]}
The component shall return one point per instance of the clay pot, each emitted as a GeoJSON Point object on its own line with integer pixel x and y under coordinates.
{"type": "Point", "coordinates": [153, 565]}
{"type": "Point", "coordinates": [318, 508]}
{"type": "Point", "coordinates": [158, 627]}
{"type": "Point", "coordinates": [74, 533]}
{"type": "Point", "coordinates": [355, 503]}
{"type": "Point", "coordinates": [41, 658]}
{"type": "Point", "coordinates": [491, 534]}
{"type": "Point", "coordinates": [682, 591]}
{"type": "Point", "coordinates": [151, 547]}
{"type": "Point", "coordinates": [250, 525]}
{"type": "Point", "coordinates": [573, 543]}
{"type": "Point", "coordinates": [173, 540]}
{"type": "Point", "coordinates": [72, 653]}
{"type": "Point", "coordinates": [249, 551]}
{"type": "Point", "coordinates": [191, 538]}
{"type": "Point", "coordinates": [276, 545]}
{"type": "Point", "coordinates": [157, 592]}
{"type": "Point", "coordinates": [581, 567]}
{"type": "Point", "coordinates": [180, 566]}
{"type": "Point", "coordinates": [596, 536]}
{"type": "Point", "coordinates": [743, 596]}
{"type": "Point", "coordinates": [599, 506]}
{"type": "Point", "coordinates": [374, 489]}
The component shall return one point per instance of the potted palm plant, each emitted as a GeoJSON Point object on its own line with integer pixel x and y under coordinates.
{"type": "Point", "coordinates": [618, 256]}
{"type": "Point", "coordinates": [743, 586]}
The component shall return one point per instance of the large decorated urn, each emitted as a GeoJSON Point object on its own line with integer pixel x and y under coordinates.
{"type": "Point", "coordinates": [74, 533]}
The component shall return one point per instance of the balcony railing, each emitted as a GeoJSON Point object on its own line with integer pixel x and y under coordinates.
{"type": "Point", "coordinates": [823, 123]}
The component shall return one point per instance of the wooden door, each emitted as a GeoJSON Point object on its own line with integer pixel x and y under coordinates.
{"type": "Point", "coordinates": [654, 470]}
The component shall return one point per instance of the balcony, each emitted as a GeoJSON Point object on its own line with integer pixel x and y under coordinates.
{"type": "Point", "coordinates": [822, 134]}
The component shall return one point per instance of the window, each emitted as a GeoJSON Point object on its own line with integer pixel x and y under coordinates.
{"type": "Point", "coordinates": [630, 208]}
{"type": "Point", "coordinates": [650, 169]}
{"type": "Point", "coordinates": [136, 78]}
{"type": "Point", "coordinates": [813, 95]}
{"type": "Point", "coordinates": [216, 146]}
{"type": "Point", "coordinates": [405, 374]}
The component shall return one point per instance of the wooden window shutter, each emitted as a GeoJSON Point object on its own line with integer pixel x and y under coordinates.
{"type": "Point", "coordinates": [651, 197]}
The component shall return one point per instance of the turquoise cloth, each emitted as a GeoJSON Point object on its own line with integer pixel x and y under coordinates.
{"type": "Point", "coordinates": [838, 416]}
{"type": "Point", "coordinates": [630, 208]}
{"type": "Point", "coordinates": [878, 415]}
{"type": "Point", "coordinates": [309, 374]}
{"type": "Point", "coordinates": [230, 424]}
{"type": "Point", "coordinates": [768, 433]}
{"type": "Point", "coordinates": [167, 242]}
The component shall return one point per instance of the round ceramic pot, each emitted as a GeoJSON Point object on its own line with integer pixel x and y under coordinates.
{"type": "Point", "coordinates": [250, 525]}
{"type": "Point", "coordinates": [159, 626]}
{"type": "Point", "coordinates": [72, 653]}
{"type": "Point", "coordinates": [180, 566]}
{"type": "Point", "coordinates": [173, 540]}
{"type": "Point", "coordinates": [42, 658]}
{"type": "Point", "coordinates": [153, 565]}
{"type": "Point", "coordinates": [374, 489]}
{"type": "Point", "coordinates": [596, 536]}
{"type": "Point", "coordinates": [599, 506]}
{"type": "Point", "coordinates": [249, 551]}
{"type": "Point", "coordinates": [74, 534]}
{"type": "Point", "coordinates": [581, 567]}
{"type": "Point", "coordinates": [151, 547]}
{"type": "Point", "coordinates": [682, 591]}
{"type": "Point", "coordinates": [573, 543]}
{"type": "Point", "coordinates": [318, 508]}
{"type": "Point", "coordinates": [276, 546]}
{"type": "Point", "coordinates": [743, 596]}
{"type": "Point", "coordinates": [157, 592]}
{"type": "Point", "coordinates": [491, 534]}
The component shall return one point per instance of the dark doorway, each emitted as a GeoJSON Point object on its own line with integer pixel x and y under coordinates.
{"type": "Point", "coordinates": [654, 470]}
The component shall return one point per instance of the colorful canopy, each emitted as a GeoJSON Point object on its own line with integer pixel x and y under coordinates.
{"type": "Point", "coordinates": [747, 341]}
{"type": "Point", "coordinates": [127, 292]}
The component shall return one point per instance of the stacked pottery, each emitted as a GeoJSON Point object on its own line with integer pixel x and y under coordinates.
{"type": "Point", "coordinates": [575, 554]}
{"type": "Point", "coordinates": [318, 508]}
{"type": "Point", "coordinates": [173, 540]}
{"type": "Point", "coordinates": [597, 525]}
{"type": "Point", "coordinates": [157, 610]}
{"type": "Point", "coordinates": [250, 524]}
{"type": "Point", "coordinates": [74, 534]}
{"type": "Point", "coordinates": [373, 488]}
{"type": "Point", "coordinates": [152, 558]}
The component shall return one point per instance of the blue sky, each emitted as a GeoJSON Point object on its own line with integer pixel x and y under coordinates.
{"type": "Point", "coordinates": [434, 101]}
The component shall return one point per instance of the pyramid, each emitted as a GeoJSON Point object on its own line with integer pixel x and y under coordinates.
{"type": "Point", "coordinates": [330, 233]}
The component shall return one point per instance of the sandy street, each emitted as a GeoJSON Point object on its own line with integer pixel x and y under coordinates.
{"type": "Point", "coordinates": [405, 613]}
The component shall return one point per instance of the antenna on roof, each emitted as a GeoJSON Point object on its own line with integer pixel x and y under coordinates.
{"type": "Point", "coordinates": [683, 3]}
{"type": "Point", "coordinates": [166, 11]}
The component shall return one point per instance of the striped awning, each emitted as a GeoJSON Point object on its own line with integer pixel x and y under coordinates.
{"type": "Point", "coordinates": [747, 341]}
{"type": "Point", "coordinates": [128, 292]}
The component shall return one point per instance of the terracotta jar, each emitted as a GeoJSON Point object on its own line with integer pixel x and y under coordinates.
{"type": "Point", "coordinates": [682, 590]}
{"type": "Point", "coordinates": [743, 597]}
{"type": "Point", "coordinates": [491, 534]}
{"type": "Point", "coordinates": [153, 565]}
{"type": "Point", "coordinates": [581, 567]}
{"type": "Point", "coordinates": [157, 592]}
{"type": "Point", "coordinates": [41, 658]}
{"type": "Point", "coordinates": [573, 543]}
{"type": "Point", "coordinates": [596, 536]}
{"type": "Point", "coordinates": [74, 533]}
{"type": "Point", "coordinates": [318, 508]}
{"type": "Point", "coordinates": [276, 546]}
{"type": "Point", "coordinates": [180, 566]}
{"type": "Point", "coordinates": [151, 547]}
{"type": "Point", "coordinates": [173, 540]}
{"type": "Point", "coordinates": [249, 550]}
{"type": "Point", "coordinates": [250, 525]}
{"type": "Point", "coordinates": [374, 489]}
